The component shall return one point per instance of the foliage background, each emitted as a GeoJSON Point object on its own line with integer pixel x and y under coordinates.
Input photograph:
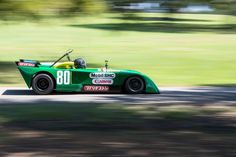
{"type": "Point", "coordinates": [173, 48]}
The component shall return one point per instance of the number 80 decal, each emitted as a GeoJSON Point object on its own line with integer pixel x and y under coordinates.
{"type": "Point", "coordinates": [63, 77]}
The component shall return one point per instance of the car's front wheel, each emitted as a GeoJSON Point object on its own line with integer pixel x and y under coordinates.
{"type": "Point", "coordinates": [134, 85]}
{"type": "Point", "coordinates": [43, 84]}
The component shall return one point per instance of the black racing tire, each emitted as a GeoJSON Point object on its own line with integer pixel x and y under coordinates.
{"type": "Point", "coordinates": [43, 84]}
{"type": "Point", "coordinates": [134, 85]}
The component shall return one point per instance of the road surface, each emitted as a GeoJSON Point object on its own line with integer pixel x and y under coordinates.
{"type": "Point", "coordinates": [169, 95]}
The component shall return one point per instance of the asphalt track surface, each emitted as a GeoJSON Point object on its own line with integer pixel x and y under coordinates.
{"type": "Point", "coordinates": [169, 95]}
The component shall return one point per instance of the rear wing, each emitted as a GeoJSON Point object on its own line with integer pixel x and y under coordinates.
{"type": "Point", "coordinates": [28, 63]}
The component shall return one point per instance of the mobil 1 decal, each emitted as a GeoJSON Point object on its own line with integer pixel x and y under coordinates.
{"type": "Point", "coordinates": [102, 78]}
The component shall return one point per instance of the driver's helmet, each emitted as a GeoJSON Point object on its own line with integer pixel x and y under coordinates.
{"type": "Point", "coordinates": [80, 63]}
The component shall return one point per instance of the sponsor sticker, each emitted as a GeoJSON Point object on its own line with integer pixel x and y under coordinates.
{"type": "Point", "coordinates": [103, 81]}
{"type": "Point", "coordinates": [96, 88]}
{"type": "Point", "coordinates": [26, 64]}
{"type": "Point", "coordinates": [102, 75]}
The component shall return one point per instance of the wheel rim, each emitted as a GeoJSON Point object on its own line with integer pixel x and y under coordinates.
{"type": "Point", "coordinates": [136, 84]}
{"type": "Point", "coordinates": [42, 84]}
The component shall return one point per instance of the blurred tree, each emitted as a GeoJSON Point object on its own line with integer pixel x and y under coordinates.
{"type": "Point", "coordinates": [39, 8]}
{"type": "Point", "coordinates": [173, 5]}
{"type": "Point", "coordinates": [222, 6]}
{"type": "Point", "coordinates": [6, 8]}
{"type": "Point", "coordinates": [89, 6]}
{"type": "Point", "coordinates": [226, 6]}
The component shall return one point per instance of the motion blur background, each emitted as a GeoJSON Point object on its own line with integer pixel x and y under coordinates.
{"type": "Point", "coordinates": [175, 42]}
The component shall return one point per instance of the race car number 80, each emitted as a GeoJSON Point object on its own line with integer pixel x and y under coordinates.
{"type": "Point", "coordinates": [63, 77]}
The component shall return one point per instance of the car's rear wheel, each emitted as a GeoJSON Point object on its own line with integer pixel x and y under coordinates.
{"type": "Point", "coordinates": [134, 85]}
{"type": "Point", "coordinates": [43, 84]}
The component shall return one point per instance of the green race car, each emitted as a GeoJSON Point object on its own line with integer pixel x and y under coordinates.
{"type": "Point", "coordinates": [74, 76]}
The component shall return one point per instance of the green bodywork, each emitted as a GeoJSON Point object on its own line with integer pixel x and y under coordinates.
{"type": "Point", "coordinates": [80, 77]}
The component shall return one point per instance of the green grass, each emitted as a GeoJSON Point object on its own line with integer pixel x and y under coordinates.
{"type": "Point", "coordinates": [72, 129]}
{"type": "Point", "coordinates": [72, 115]}
{"type": "Point", "coordinates": [186, 49]}
{"type": "Point", "coordinates": [93, 114]}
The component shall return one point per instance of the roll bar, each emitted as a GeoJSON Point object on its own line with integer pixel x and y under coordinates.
{"type": "Point", "coordinates": [67, 54]}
